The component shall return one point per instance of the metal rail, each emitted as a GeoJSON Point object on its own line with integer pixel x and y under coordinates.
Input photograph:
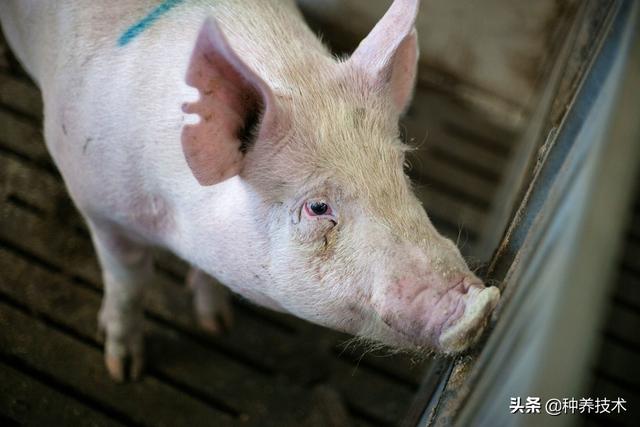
{"type": "Point", "coordinates": [557, 273]}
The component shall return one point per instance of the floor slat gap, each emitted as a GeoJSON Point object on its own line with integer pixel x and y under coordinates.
{"type": "Point", "coordinates": [67, 390]}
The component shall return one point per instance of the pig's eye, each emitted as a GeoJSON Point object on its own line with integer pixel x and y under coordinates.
{"type": "Point", "coordinates": [317, 208]}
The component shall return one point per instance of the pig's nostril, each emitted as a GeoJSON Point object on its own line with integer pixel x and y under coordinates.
{"type": "Point", "coordinates": [472, 282]}
{"type": "Point", "coordinates": [463, 286]}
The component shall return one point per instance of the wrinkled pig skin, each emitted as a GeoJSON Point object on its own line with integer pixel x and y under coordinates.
{"type": "Point", "coordinates": [227, 132]}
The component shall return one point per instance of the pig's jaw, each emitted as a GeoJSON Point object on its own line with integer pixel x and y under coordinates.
{"type": "Point", "coordinates": [221, 237]}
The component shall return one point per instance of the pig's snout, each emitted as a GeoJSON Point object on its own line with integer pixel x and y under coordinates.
{"type": "Point", "coordinates": [447, 320]}
{"type": "Point", "coordinates": [468, 318]}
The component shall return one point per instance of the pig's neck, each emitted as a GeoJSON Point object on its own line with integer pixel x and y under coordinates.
{"type": "Point", "coordinates": [218, 230]}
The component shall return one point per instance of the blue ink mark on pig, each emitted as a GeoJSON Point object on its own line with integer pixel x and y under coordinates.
{"type": "Point", "coordinates": [133, 31]}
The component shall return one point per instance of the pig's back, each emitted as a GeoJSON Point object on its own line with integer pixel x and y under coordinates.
{"type": "Point", "coordinates": [113, 114]}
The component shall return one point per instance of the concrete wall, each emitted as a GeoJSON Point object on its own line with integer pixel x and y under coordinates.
{"type": "Point", "coordinates": [491, 53]}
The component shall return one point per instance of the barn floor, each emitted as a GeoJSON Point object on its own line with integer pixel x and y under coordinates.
{"type": "Point", "coordinates": [271, 369]}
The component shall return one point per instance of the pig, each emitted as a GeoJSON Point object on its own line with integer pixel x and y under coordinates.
{"type": "Point", "coordinates": [228, 133]}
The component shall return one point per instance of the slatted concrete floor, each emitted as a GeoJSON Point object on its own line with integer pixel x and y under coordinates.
{"type": "Point", "coordinates": [270, 369]}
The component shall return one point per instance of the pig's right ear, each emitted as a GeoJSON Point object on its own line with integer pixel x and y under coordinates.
{"type": "Point", "coordinates": [235, 106]}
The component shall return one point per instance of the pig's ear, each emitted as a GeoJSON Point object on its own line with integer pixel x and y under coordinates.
{"type": "Point", "coordinates": [389, 54]}
{"type": "Point", "coordinates": [235, 106]}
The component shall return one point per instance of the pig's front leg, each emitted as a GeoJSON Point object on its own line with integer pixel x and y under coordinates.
{"type": "Point", "coordinates": [212, 302]}
{"type": "Point", "coordinates": [126, 269]}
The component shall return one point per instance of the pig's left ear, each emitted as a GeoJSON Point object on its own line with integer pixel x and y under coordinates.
{"type": "Point", "coordinates": [389, 54]}
{"type": "Point", "coordinates": [235, 106]}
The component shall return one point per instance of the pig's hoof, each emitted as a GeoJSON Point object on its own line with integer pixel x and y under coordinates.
{"type": "Point", "coordinates": [212, 302]}
{"type": "Point", "coordinates": [122, 368]}
{"type": "Point", "coordinates": [218, 323]}
{"type": "Point", "coordinates": [124, 355]}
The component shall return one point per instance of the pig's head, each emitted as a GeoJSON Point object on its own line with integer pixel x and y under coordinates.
{"type": "Point", "coordinates": [350, 245]}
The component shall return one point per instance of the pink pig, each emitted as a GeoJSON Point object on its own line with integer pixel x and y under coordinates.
{"type": "Point", "coordinates": [228, 133]}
